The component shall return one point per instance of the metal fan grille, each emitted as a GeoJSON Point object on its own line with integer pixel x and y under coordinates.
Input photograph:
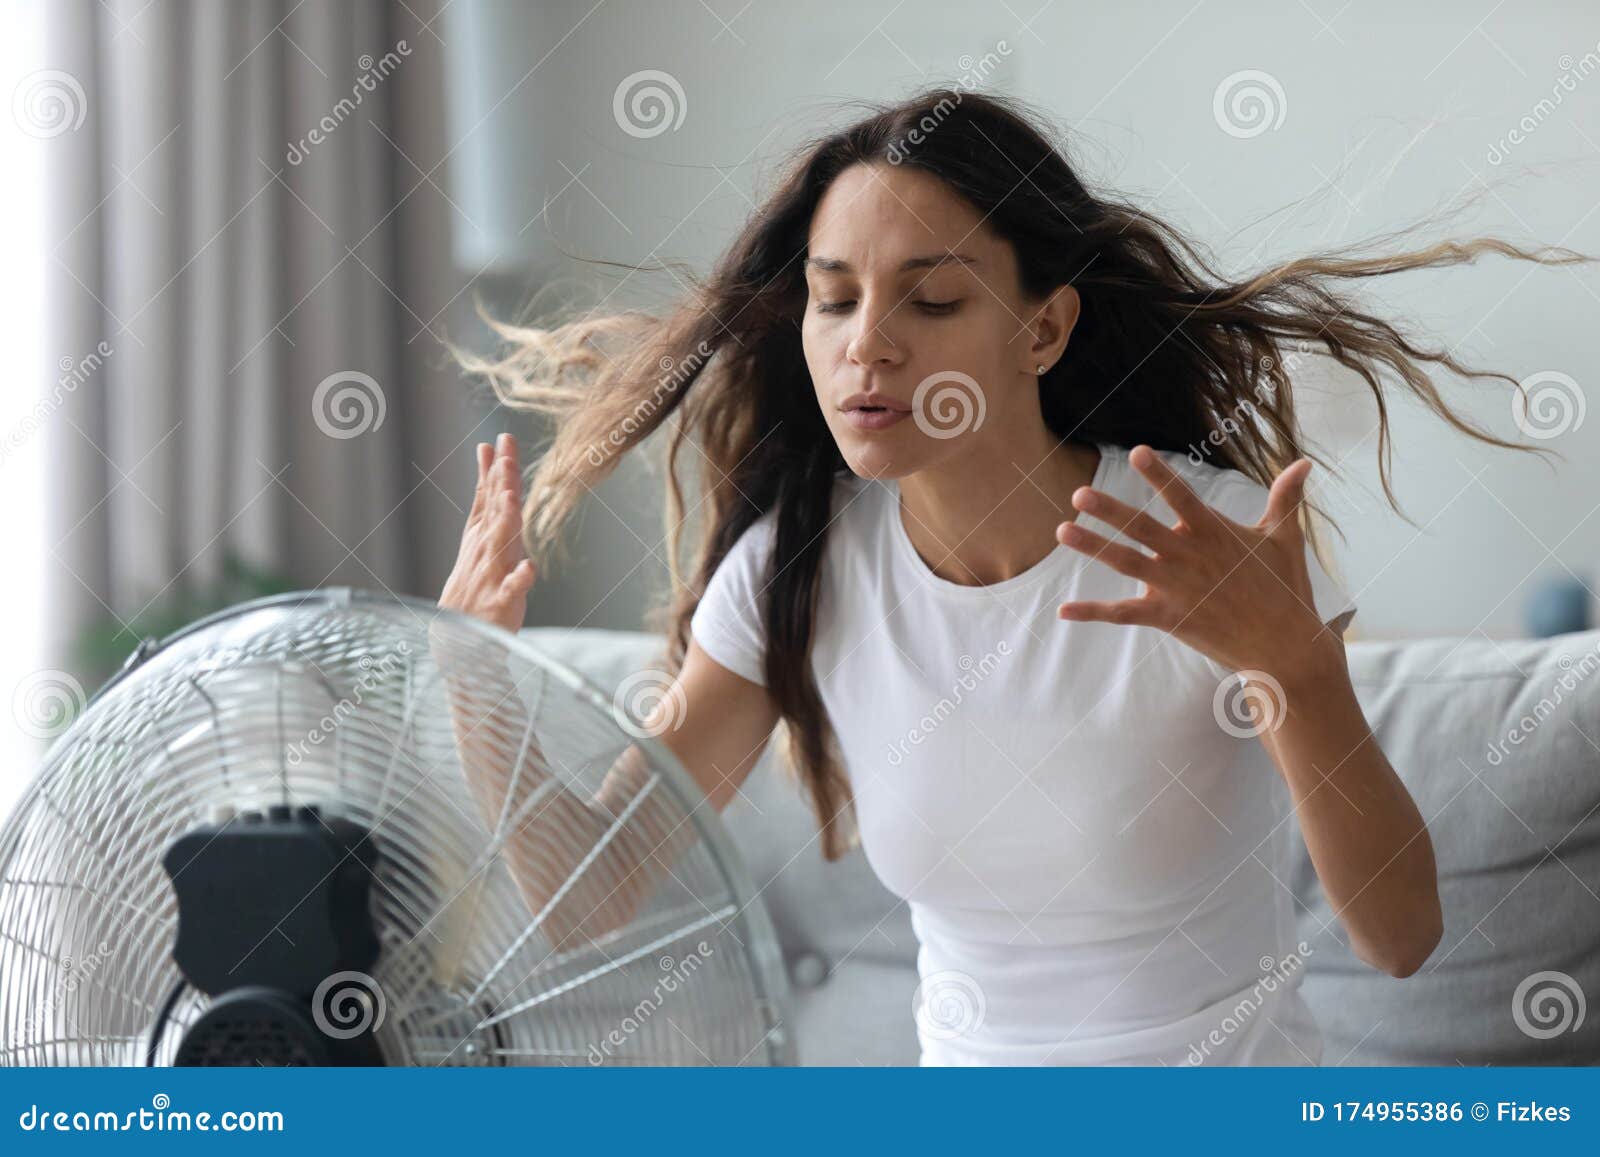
{"type": "Point", "coordinates": [637, 942]}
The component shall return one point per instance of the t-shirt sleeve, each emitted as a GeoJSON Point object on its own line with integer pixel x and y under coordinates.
{"type": "Point", "coordinates": [728, 623]}
{"type": "Point", "coordinates": [1245, 500]}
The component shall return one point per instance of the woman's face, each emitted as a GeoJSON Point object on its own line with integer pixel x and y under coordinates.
{"type": "Point", "coordinates": [912, 300]}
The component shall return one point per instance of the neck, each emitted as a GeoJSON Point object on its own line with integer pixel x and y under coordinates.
{"type": "Point", "coordinates": [978, 526]}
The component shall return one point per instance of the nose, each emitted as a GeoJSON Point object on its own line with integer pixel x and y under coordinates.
{"type": "Point", "coordinates": [871, 345]}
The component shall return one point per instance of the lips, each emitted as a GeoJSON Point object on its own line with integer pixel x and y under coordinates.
{"type": "Point", "coordinates": [863, 418]}
{"type": "Point", "coordinates": [874, 403]}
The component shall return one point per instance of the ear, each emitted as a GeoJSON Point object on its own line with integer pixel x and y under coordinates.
{"type": "Point", "coordinates": [1051, 326]}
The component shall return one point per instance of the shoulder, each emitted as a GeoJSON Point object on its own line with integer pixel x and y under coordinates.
{"type": "Point", "coordinates": [1231, 491]}
{"type": "Point", "coordinates": [853, 500]}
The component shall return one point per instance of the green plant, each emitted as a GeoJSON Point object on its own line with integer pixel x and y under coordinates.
{"type": "Point", "coordinates": [101, 649]}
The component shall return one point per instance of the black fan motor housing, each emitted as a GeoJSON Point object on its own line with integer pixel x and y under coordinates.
{"type": "Point", "coordinates": [271, 904]}
{"type": "Point", "coordinates": [253, 1025]}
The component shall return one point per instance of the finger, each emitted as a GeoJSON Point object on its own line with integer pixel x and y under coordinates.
{"type": "Point", "coordinates": [1185, 503]}
{"type": "Point", "coordinates": [1122, 559]}
{"type": "Point", "coordinates": [519, 581]}
{"type": "Point", "coordinates": [497, 467]}
{"type": "Point", "coordinates": [503, 516]}
{"type": "Point", "coordinates": [1125, 612]}
{"type": "Point", "coordinates": [506, 448]}
{"type": "Point", "coordinates": [1284, 499]}
{"type": "Point", "coordinates": [508, 530]}
{"type": "Point", "coordinates": [1135, 523]}
{"type": "Point", "coordinates": [514, 467]}
{"type": "Point", "coordinates": [485, 453]}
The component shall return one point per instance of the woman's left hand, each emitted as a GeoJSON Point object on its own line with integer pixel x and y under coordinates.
{"type": "Point", "coordinates": [1239, 594]}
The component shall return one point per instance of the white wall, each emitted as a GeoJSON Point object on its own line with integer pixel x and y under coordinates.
{"type": "Point", "coordinates": [1388, 114]}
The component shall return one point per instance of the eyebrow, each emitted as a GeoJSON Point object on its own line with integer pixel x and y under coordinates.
{"type": "Point", "coordinates": [931, 261]}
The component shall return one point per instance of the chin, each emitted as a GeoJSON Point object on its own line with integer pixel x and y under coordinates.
{"type": "Point", "coordinates": [874, 463]}
{"type": "Point", "coordinates": [874, 456]}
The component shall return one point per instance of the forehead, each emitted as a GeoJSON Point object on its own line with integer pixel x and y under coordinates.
{"type": "Point", "coordinates": [876, 216]}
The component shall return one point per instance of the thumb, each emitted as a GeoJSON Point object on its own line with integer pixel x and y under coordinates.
{"type": "Point", "coordinates": [1283, 500]}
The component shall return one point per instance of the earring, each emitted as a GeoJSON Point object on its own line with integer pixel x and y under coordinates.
{"type": "Point", "coordinates": [1040, 370]}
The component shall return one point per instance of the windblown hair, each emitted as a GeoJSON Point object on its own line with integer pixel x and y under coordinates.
{"type": "Point", "coordinates": [1165, 351]}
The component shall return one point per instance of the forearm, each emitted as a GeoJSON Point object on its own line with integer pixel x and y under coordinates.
{"type": "Point", "coordinates": [542, 827]}
{"type": "Point", "coordinates": [1365, 836]}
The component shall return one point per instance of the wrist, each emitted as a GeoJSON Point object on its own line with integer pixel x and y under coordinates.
{"type": "Point", "coordinates": [1309, 670]}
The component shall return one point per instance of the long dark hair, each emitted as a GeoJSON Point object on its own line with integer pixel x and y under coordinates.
{"type": "Point", "coordinates": [1165, 351]}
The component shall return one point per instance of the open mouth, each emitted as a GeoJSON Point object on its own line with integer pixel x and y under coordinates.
{"type": "Point", "coordinates": [875, 417]}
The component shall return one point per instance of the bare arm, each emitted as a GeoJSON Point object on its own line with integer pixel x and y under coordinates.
{"type": "Point", "coordinates": [1362, 829]}
{"type": "Point", "coordinates": [584, 866]}
{"type": "Point", "coordinates": [545, 829]}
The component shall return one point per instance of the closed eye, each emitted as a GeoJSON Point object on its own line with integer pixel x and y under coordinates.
{"type": "Point", "coordinates": [936, 308]}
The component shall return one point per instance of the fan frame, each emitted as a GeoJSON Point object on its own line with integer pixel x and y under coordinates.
{"type": "Point", "coordinates": [768, 975]}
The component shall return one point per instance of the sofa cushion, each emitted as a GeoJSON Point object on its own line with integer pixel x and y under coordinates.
{"type": "Point", "coordinates": [1499, 744]}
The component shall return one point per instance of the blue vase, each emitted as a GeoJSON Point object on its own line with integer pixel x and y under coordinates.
{"type": "Point", "coordinates": [1557, 606]}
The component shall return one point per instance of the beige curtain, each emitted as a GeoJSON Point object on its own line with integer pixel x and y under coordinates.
{"type": "Point", "coordinates": [249, 268]}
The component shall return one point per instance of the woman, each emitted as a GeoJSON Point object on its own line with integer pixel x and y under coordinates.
{"type": "Point", "coordinates": [930, 348]}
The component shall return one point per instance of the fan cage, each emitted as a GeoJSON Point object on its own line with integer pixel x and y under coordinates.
{"type": "Point", "coordinates": [650, 946]}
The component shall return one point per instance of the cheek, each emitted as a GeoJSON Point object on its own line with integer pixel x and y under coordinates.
{"type": "Point", "coordinates": [979, 335]}
{"type": "Point", "coordinates": [819, 347]}
{"type": "Point", "coordinates": [813, 331]}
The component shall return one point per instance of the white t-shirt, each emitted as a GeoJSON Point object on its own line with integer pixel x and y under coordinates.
{"type": "Point", "coordinates": [1091, 842]}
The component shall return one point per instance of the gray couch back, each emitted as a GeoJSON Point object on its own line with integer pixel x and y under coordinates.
{"type": "Point", "coordinates": [1499, 744]}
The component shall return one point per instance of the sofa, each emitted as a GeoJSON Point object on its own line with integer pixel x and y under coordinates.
{"type": "Point", "coordinates": [1499, 744]}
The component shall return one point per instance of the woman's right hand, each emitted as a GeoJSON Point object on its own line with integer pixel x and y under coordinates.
{"type": "Point", "coordinates": [493, 573]}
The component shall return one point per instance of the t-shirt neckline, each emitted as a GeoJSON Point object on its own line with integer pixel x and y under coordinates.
{"type": "Point", "coordinates": [1050, 564]}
